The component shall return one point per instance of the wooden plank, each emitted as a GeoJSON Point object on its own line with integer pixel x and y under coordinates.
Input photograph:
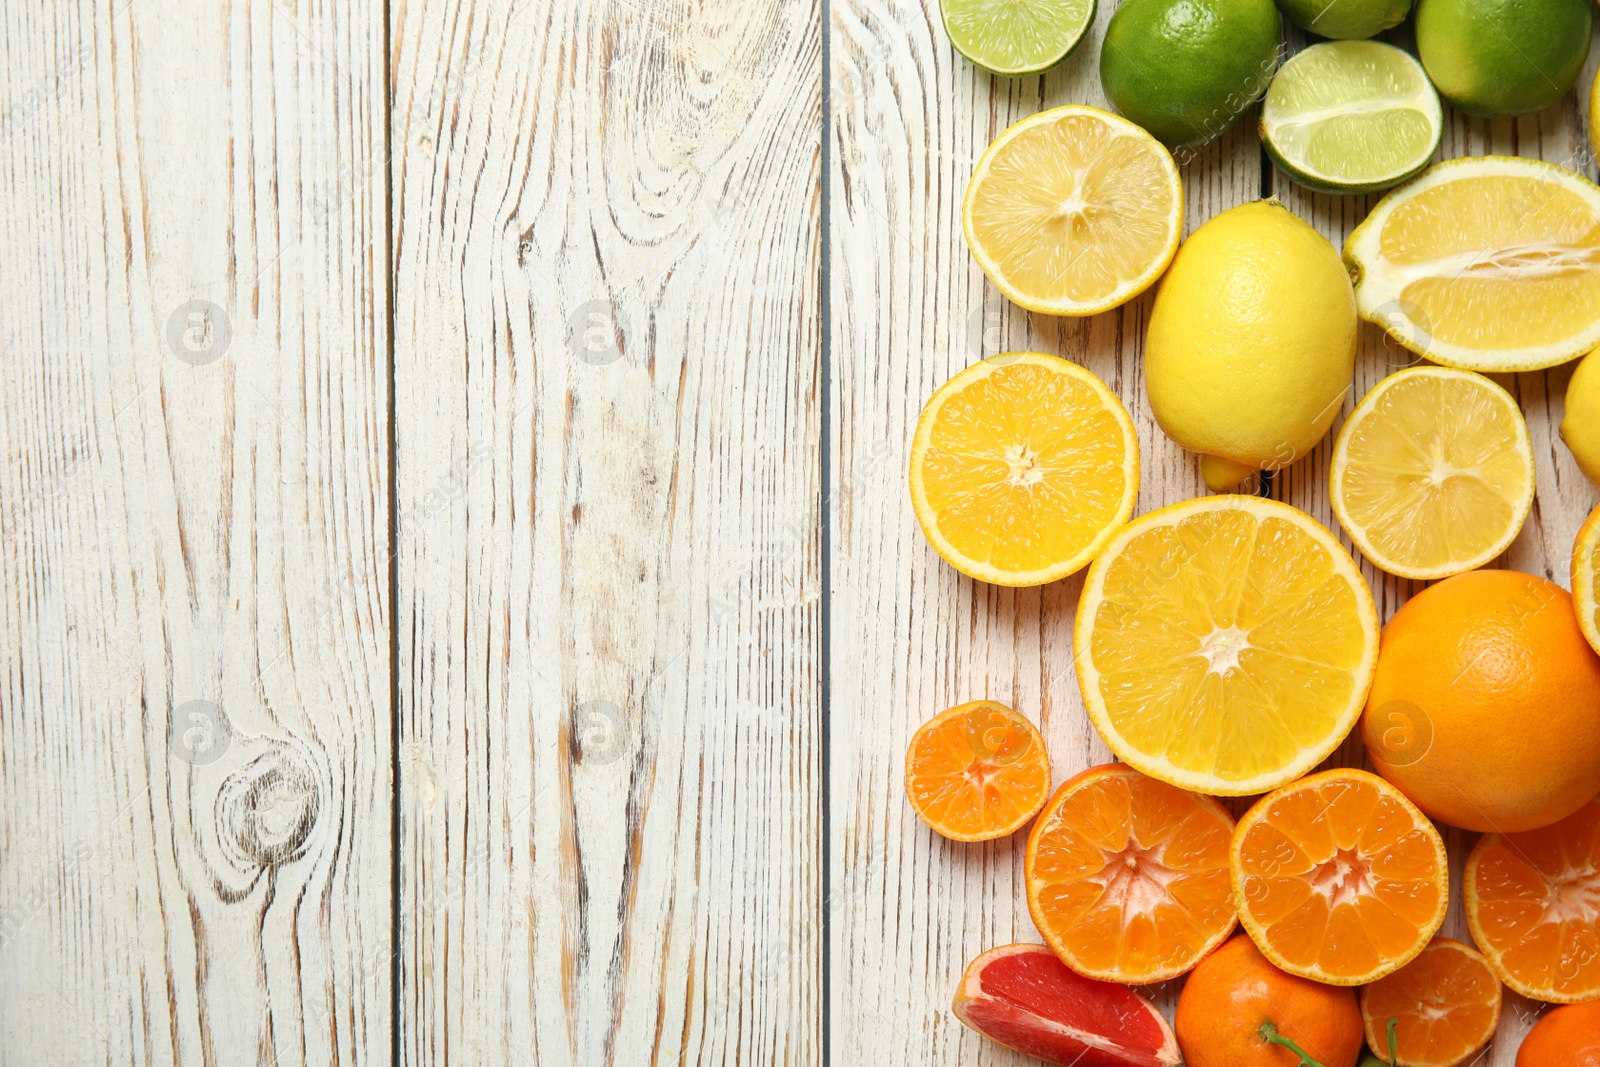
{"type": "Point", "coordinates": [194, 721]}
{"type": "Point", "coordinates": [607, 346]}
{"type": "Point", "coordinates": [910, 635]}
{"type": "Point", "coordinates": [1563, 497]}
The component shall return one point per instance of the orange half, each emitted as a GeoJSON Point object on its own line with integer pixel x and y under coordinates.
{"type": "Point", "coordinates": [1128, 876]}
{"type": "Point", "coordinates": [1022, 467]}
{"type": "Point", "coordinates": [1339, 878]}
{"type": "Point", "coordinates": [1533, 906]}
{"type": "Point", "coordinates": [977, 772]}
{"type": "Point", "coordinates": [1445, 1003]}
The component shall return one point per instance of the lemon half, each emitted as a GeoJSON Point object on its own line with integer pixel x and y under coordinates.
{"type": "Point", "coordinates": [1073, 211]}
{"type": "Point", "coordinates": [1432, 473]}
{"type": "Point", "coordinates": [1489, 263]}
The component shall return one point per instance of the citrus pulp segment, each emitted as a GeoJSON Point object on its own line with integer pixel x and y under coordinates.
{"type": "Point", "coordinates": [1127, 876]}
{"type": "Point", "coordinates": [1445, 1003]}
{"type": "Point", "coordinates": [1073, 211]}
{"type": "Point", "coordinates": [1022, 467]}
{"type": "Point", "coordinates": [1339, 878]}
{"type": "Point", "coordinates": [1432, 473]}
{"type": "Point", "coordinates": [1586, 578]}
{"type": "Point", "coordinates": [1351, 117]}
{"type": "Point", "coordinates": [1016, 36]}
{"type": "Point", "coordinates": [977, 771]}
{"type": "Point", "coordinates": [1489, 263]}
{"type": "Point", "coordinates": [1026, 999]}
{"type": "Point", "coordinates": [1224, 645]}
{"type": "Point", "coordinates": [1533, 906]}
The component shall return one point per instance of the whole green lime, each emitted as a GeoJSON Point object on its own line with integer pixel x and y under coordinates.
{"type": "Point", "coordinates": [1187, 69]}
{"type": "Point", "coordinates": [1346, 20]}
{"type": "Point", "coordinates": [1503, 57]}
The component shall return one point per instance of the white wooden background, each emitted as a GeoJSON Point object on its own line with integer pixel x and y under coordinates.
{"type": "Point", "coordinates": [458, 594]}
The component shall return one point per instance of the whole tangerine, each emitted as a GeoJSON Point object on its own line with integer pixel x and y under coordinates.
{"type": "Point", "coordinates": [1567, 1037]}
{"type": "Point", "coordinates": [1235, 995]}
{"type": "Point", "coordinates": [1485, 706]}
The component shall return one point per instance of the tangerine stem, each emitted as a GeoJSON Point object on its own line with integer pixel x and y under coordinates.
{"type": "Point", "coordinates": [1394, 1041]}
{"type": "Point", "coordinates": [1269, 1034]}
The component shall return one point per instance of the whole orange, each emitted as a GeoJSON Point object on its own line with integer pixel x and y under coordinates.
{"type": "Point", "coordinates": [1235, 990]}
{"type": "Point", "coordinates": [1567, 1037]}
{"type": "Point", "coordinates": [1485, 707]}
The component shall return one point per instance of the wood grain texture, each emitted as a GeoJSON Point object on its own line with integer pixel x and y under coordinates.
{"type": "Point", "coordinates": [607, 352]}
{"type": "Point", "coordinates": [194, 719]}
{"type": "Point", "coordinates": [910, 635]}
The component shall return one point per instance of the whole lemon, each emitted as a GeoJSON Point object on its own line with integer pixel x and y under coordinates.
{"type": "Point", "coordinates": [1252, 342]}
{"type": "Point", "coordinates": [1187, 69]}
{"type": "Point", "coordinates": [1580, 426]}
{"type": "Point", "coordinates": [1503, 57]}
{"type": "Point", "coordinates": [1485, 707]}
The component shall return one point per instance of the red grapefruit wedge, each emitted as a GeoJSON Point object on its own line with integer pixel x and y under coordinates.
{"type": "Point", "coordinates": [1025, 998]}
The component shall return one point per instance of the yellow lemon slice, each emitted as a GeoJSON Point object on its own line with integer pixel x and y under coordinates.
{"type": "Point", "coordinates": [1022, 466]}
{"type": "Point", "coordinates": [1489, 263]}
{"type": "Point", "coordinates": [1432, 473]}
{"type": "Point", "coordinates": [1225, 645]}
{"type": "Point", "coordinates": [1073, 211]}
{"type": "Point", "coordinates": [1586, 578]}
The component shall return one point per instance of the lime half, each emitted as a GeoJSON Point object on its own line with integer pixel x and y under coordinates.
{"type": "Point", "coordinates": [1351, 117]}
{"type": "Point", "coordinates": [1016, 36]}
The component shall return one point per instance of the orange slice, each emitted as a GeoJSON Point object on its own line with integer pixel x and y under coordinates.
{"type": "Point", "coordinates": [1533, 906]}
{"type": "Point", "coordinates": [977, 772]}
{"type": "Point", "coordinates": [1445, 1003]}
{"type": "Point", "coordinates": [1586, 577]}
{"type": "Point", "coordinates": [1022, 467]}
{"type": "Point", "coordinates": [1339, 878]}
{"type": "Point", "coordinates": [1225, 645]}
{"type": "Point", "coordinates": [1128, 876]}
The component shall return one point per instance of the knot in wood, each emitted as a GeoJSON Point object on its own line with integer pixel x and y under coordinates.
{"type": "Point", "coordinates": [266, 809]}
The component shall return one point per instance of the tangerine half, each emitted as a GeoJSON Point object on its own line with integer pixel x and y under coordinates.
{"type": "Point", "coordinates": [1339, 878]}
{"type": "Point", "coordinates": [977, 771]}
{"type": "Point", "coordinates": [1128, 877]}
{"type": "Point", "coordinates": [1533, 906]}
{"type": "Point", "coordinates": [1445, 1004]}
